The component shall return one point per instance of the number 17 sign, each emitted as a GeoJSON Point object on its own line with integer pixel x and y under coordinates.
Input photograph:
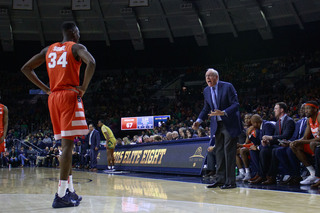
{"type": "Point", "coordinates": [128, 123]}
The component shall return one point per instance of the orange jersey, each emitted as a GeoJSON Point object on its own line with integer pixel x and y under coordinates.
{"type": "Point", "coordinates": [1, 118]}
{"type": "Point", "coordinates": [63, 69]}
{"type": "Point", "coordinates": [314, 127]}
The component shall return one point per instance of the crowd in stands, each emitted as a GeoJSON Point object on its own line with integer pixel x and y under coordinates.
{"type": "Point", "coordinates": [126, 93]}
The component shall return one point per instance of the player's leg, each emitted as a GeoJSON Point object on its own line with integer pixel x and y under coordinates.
{"type": "Point", "coordinates": [109, 157]}
{"type": "Point", "coordinates": [244, 153]}
{"type": "Point", "coordinates": [62, 107]}
{"type": "Point", "coordinates": [241, 174]}
{"type": "Point", "coordinates": [300, 151]}
{"type": "Point", "coordinates": [112, 158]}
{"type": "Point", "coordinates": [65, 165]}
{"type": "Point", "coordinates": [70, 189]}
{"type": "Point", "coordinates": [62, 198]}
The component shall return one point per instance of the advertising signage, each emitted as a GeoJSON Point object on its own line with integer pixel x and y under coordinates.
{"type": "Point", "coordinates": [144, 122]}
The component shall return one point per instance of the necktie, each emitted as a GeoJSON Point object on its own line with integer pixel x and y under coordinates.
{"type": "Point", "coordinates": [214, 97]}
{"type": "Point", "coordinates": [215, 102]}
{"type": "Point", "coordinates": [90, 137]}
{"type": "Point", "coordinates": [280, 126]}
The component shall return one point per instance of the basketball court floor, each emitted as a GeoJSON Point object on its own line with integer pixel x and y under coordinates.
{"type": "Point", "coordinates": [32, 190]}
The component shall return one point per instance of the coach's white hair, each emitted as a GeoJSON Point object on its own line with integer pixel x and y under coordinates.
{"type": "Point", "coordinates": [213, 71]}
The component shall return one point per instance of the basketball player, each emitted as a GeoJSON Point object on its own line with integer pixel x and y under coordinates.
{"type": "Point", "coordinates": [63, 60]}
{"type": "Point", "coordinates": [302, 146]}
{"type": "Point", "coordinates": [3, 127]}
{"type": "Point", "coordinates": [111, 143]}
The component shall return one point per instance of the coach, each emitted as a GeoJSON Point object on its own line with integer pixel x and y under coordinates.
{"type": "Point", "coordinates": [94, 143]}
{"type": "Point", "coordinates": [221, 105]}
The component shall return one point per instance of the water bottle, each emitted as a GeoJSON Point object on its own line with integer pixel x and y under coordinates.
{"type": "Point", "coordinates": [237, 171]}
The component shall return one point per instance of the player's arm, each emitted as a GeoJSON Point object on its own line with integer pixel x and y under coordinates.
{"type": "Point", "coordinates": [306, 137]}
{"type": "Point", "coordinates": [80, 52]}
{"type": "Point", "coordinates": [5, 127]}
{"type": "Point", "coordinates": [108, 137]}
{"type": "Point", "coordinates": [28, 70]}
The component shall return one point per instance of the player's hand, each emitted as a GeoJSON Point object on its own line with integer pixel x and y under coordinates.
{"type": "Point", "coordinates": [216, 112]}
{"type": "Point", "coordinates": [210, 148]}
{"type": "Point", "coordinates": [96, 148]}
{"type": "Point", "coordinates": [266, 138]}
{"type": "Point", "coordinates": [253, 147]}
{"type": "Point", "coordinates": [195, 125]}
{"type": "Point", "coordinates": [48, 92]}
{"type": "Point", "coordinates": [264, 142]}
{"type": "Point", "coordinates": [294, 143]}
{"type": "Point", "coordinates": [81, 90]}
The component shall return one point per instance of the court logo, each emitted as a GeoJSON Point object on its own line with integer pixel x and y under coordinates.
{"type": "Point", "coordinates": [198, 153]}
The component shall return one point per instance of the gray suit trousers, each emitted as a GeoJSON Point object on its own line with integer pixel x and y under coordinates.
{"type": "Point", "coordinates": [225, 147]}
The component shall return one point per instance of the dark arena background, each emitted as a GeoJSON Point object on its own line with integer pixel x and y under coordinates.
{"type": "Point", "coordinates": [151, 60]}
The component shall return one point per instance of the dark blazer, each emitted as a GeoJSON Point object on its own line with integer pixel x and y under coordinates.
{"type": "Point", "coordinates": [228, 102]}
{"type": "Point", "coordinates": [95, 139]}
{"type": "Point", "coordinates": [80, 149]}
{"type": "Point", "coordinates": [268, 128]}
{"type": "Point", "coordinates": [297, 134]}
{"type": "Point", "coordinates": [287, 130]}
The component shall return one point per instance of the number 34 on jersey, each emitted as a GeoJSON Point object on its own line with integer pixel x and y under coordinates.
{"type": "Point", "coordinates": [62, 60]}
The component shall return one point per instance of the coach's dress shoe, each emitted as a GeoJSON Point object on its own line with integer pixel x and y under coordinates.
{"type": "Point", "coordinates": [214, 185]}
{"type": "Point", "coordinates": [257, 181]}
{"type": "Point", "coordinates": [270, 181]}
{"type": "Point", "coordinates": [254, 178]}
{"type": "Point", "coordinates": [228, 186]}
{"type": "Point", "coordinates": [209, 174]}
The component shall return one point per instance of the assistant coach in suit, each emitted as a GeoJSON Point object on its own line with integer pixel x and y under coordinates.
{"type": "Point", "coordinates": [221, 105]}
{"type": "Point", "coordinates": [94, 143]}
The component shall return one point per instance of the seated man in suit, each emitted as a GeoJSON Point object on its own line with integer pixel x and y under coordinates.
{"type": "Point", "coordinates": [284, 130]}
{"type": "Point", "coordinates": [262, 128]}
{"type": "Point", "coordinates": [302, 147]}
{"type": "Point", "coordinates": [287, 158]}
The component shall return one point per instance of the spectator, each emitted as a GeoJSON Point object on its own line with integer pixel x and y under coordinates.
{"type": "Point", "coordinates": [32, 156]}
{"type": "Point", "coordinates": [13, 157]}
{"type": "Point", "coordinates": [169, 136]}
{"type": "Point", "coordinates": [175, 135]}
{"type": "Point", "coordinates": [22, 156]}
{"type": "Point", "coordinates": [47, 140]}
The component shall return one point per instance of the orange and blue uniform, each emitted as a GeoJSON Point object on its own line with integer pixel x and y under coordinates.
{"type": "Point", "coordinates": [314, 127]}
{"type": "Point", "coordinates": [65, 104]}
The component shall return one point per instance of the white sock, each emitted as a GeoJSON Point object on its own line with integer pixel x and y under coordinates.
{"type": "Point", "coordinates": [112, 167]}
{"type": "Point", "coordinates": [248, 170]}
{"type": "Point", "coordinates": [241, 171]}
{"type": "Point", "coordinates": [70, 184]}
{"type": "Point", "coordinates": [63, 184]}
{"type": "Point", "coordinates": [311, 170]}
{"type": "Point", "coordinates": [109, 167]}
